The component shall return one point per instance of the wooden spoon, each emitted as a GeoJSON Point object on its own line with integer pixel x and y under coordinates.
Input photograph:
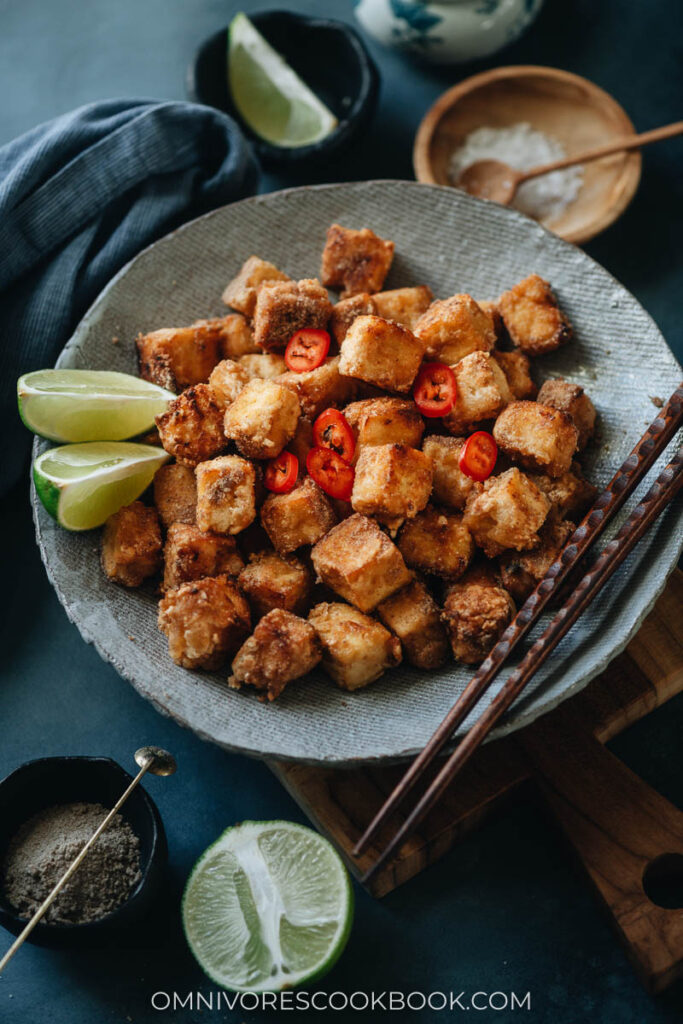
{"type": "Point", "coordinates": [493, 179]}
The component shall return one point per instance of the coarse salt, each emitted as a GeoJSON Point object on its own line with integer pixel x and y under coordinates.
{"type": "Point", "coordinates": [523, 147]}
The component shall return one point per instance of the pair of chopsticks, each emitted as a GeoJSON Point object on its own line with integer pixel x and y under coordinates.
{"type": "Point", "coordinates": [608, 503]}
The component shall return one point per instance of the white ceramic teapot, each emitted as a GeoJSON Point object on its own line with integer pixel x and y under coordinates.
{"type": "Point", "coordinates": [447, 31]}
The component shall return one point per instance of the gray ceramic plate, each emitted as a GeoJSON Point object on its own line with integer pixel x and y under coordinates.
{"type": "Point", "coordinates": [453, 243]}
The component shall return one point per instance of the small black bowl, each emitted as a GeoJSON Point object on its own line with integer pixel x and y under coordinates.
{"type": "Point", "coordinates": [62, 780]}
{"type": "Point", "coordinates": [328, 55]}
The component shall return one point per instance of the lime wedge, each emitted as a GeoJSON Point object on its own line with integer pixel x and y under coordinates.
{"type": "Point", "coordinates": [88, 405]}
{"type": "Point", "coordinates": [81, 485]}
{"type": "Point", "coordinates": [269, 95]}
{"type": "Point", "coordinates": [268, 906]}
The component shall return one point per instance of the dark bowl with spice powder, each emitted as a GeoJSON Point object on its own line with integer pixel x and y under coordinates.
{"type": "Point", "coordinates": [49, 808]}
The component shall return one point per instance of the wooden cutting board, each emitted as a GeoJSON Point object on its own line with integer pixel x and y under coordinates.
{"type": "Point", "coordinates": [619, 826]}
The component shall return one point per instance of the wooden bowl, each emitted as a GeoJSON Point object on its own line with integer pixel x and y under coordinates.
{"type": "Point", "coordinates": [563, 105]}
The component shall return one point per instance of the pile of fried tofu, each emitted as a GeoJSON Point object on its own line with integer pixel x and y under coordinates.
{"type": "Point", "coordinates": [424, 562]}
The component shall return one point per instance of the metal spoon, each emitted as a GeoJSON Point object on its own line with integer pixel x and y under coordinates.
{"type": "Point", "coordinates": [493, 179]}
{"type": "Point", "coordinates": [150, 759]}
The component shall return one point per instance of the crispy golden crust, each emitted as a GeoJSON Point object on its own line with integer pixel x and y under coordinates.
{"type": "Point", "coordinates": [275, 581]}
{"type": "Point", "coordinates": [359, 562]}
{"type": "Point", "coordinates": [454, 328]}
{"type": "Point", "coordinates": [537, 437]}
{"type": "Point", "coordinates": [241, 292]}
{"type": "Point", "coordinates": [392, 482]}
{"type": "Point", "coordinates": [301, 443]}
{"type": "Point", "coordinates": [226, 494]}
{"type": "Point", "coordinates": [404, 305]}
{"type": "Point", "coordinates": [191, 429]}
{"type": "Point", "coordinates": [301, 516]}
{"type": "Point", "coordinates": [493, 313]}
{"type": "Point", "coordinates": [263, 365]}
{"type": "Point", "coordinates": [319, 389]}
{"type": "Point", "coordinates": [572, 399]}
{"type": "Point", "coordinates": [381, 352]}
{"type": "Point", "coordinates": [482, 391]}
{"type": "Point", "coordinates": [356, 649]}
{"type": "Point", "coordinates": [131, 545]}
{"type": "Point", "coordinates": [175, 494]}
{"type": "Point", "coordinates": [345, 312]}
{"type": "Point", "coordinates": [476, 613]}
{"type": "Point", "coordinates": [205, 621]}
{"type": "Point", "coordinates": [437, 542]}
{"type": "Point", "coordinates": [521, 571]}
{"type": "Point", "coordinates": [517, 369]}
{"type": "Point", "coordinates": [414, 617]}
{"type": "Point", "coordinates": [283, 307]}
{"type": "Point", "coordinates": [236, 337]}
{"type": "Point", "coordinates": [450, 486]}
{"type": "Point", "coordinates": [283, 647]}
{"type": "Point", "coordinates": [570, 494]}
{"type": "Point", "coordinates": [532, 317]}
{"type": "Point", "coordinates": [357, 261]}
{"type": "Point", "coordinates": [376, 421]}
{"type": "Point", "coordinates": [227, 380]}
{"type": "Point", "coordinates": [191, 554]}
{"type": "Point", "coordinates": [177, 357]}
{"type": "Point", "coordinates": [262, 419]}
{"type": "Point", "coordinates": [507, 513]}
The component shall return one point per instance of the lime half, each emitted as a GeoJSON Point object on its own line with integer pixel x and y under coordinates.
{"type": "Point", "coordinates": [268, 906]}
{"type": "Point", "coordinates": [81, 485]}
{"type": "Point", "coordinates": [89, 405]}
{"type": "Point", "coordinates": [275, 103]}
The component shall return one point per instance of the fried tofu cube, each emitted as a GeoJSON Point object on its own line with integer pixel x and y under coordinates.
{"type": "Point", "coordinates": [319, 389]}
{"type": "Point", "coordinates": [301, 516]}
{"type": "Point", "coordinates": [356, 649]}
{"type": "Point", "coordinates": [570, 494]}
{"type": "Point", "coordinates": [360, 563]}
{"type": "Point", "coordinates": [357, 261]}
{"type": "Point", "coordinates": [283, 647]}
{"type": "Point", "coordinates": [236, 336]}
{"type": "Point", "coordinates": [191, 429]}
{"type": "Point", "coordinates": [572, 399]}
{"type": "Point", "coordinates": [262, 419]}
{"type": "Point", "coordinates": [241, 292]}
{"type": "Point", "coordinates": [177, 357]}
{"type": "Point", "coordinates": [521, 571]}
{"type": "Point", "coordinates": [378, 421]}
{"type": "Point", "coordinates": [507, 513]}
{"type": "Point", "coordinates": [301, 443]}
{"type": "Point", "coordinates": [263, 365]}
{"type": "Point", "coordinates": [533, 318]}
{"type": "Point", "coordinates": [414, 617]}
{"type": "Point", "coordinates": [346, 311]}
{"type": "Point", "coordinates": [393, 482]}
{"type": "Point", "coordinates": [227, 380]}
{"type": "Point", "coordinates": [492, 311]}
{"type": "Point", "coordinates": [226, 494]}
{"type": "Point", "coordinates": [175, 494]}
{"type": "Point", "coordinates": [537, 437]}
{"type": "Point", "coordinates": [437, 542]}
{"type": "Point", "coordinates": [382, 353]}
{"type": "Point", "coordinates": [275, 581]}
{"type": "Point", "coordinates": [476, 612]}
{"type": "Point", "coordinates": [131, 544]}
{"type": "Point", "coordinates": [205, 621]}
{"type": "Point", "coordinates": [453, 328]}
{"type": "Point", "coordinates": [450, 486]}
{"type": "Point", "coordinates": [482, 391]}
{"type": "Point", "coordinates": [517, 369]}
{"type": "Point", "coordinates": [404, 305]}
{"type": "Point", "coordinates": [191, 554]}
{"type": "Point", "coordinates": [283, 307]}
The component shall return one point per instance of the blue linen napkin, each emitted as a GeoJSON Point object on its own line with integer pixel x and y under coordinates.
{"type": "Point", "coordinates": [79, 197]}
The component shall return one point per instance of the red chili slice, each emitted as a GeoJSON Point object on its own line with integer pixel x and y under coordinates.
{"type": "Point", "coordinates": [281, 473]}
{"type": "Point", "coordinates": [435, 390]}
{"type": "Point", "coordinates": [331, 430]}
{"type": "Point", "coordinates": [478, 457]}
{"type": "Point", "coordinates": [307, 349]}
{"type": "Point", "coordinates": [330, 472]}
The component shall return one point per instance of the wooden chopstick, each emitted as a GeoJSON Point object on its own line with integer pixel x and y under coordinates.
{"type": "Point", "coordinates": [636, 465]}
{"type": "Point", "coordinates": [663, 491]}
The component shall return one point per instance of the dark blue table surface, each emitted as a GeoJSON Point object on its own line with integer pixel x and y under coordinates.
{"type": "Point", "coordinates": [508, 910]}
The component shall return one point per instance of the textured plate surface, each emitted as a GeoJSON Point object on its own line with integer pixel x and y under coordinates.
{"type": "Point", "coordinates": [454, 244]}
